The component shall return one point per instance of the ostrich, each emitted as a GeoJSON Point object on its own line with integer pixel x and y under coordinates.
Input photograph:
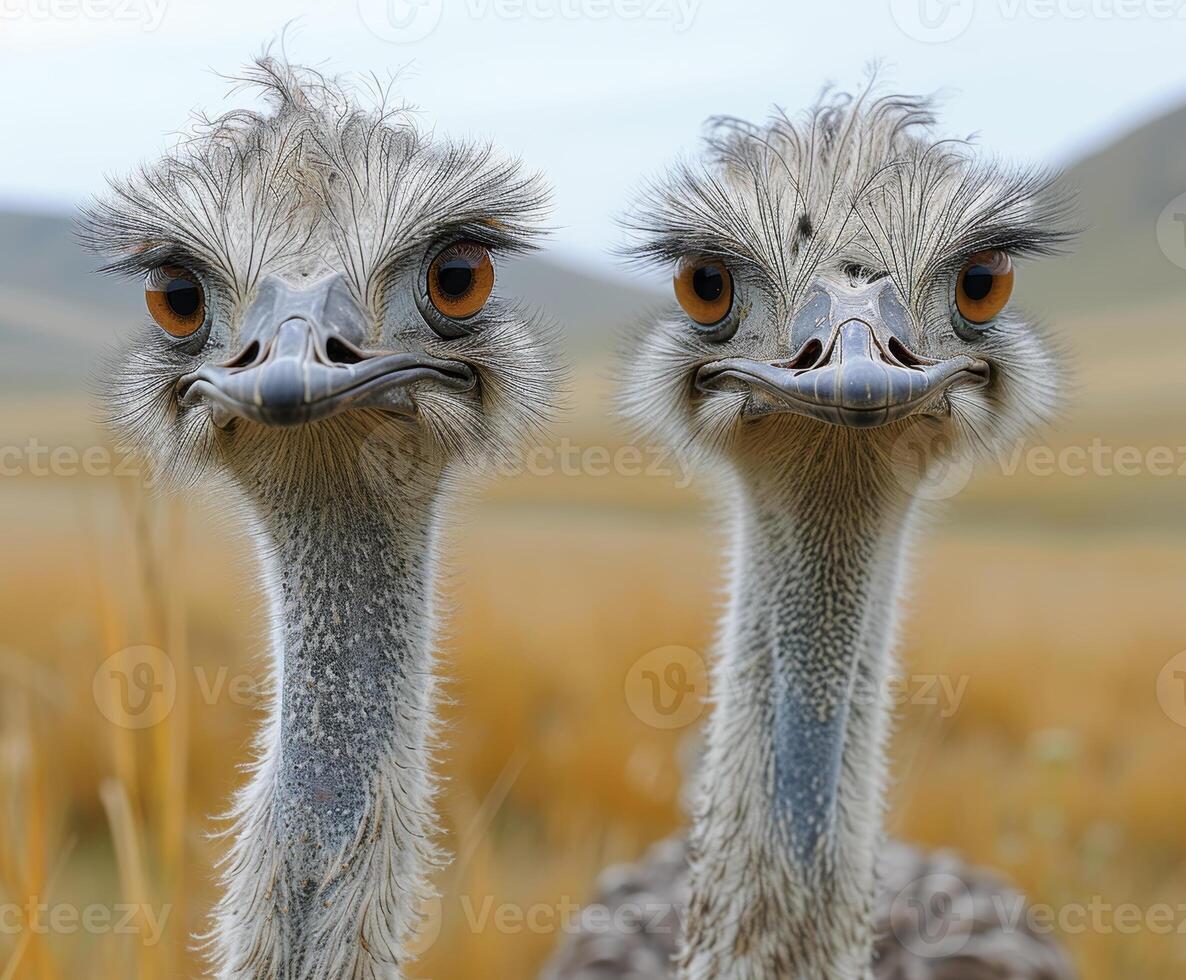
{"type": "Point", "coordinates": [325, 346]}
{"type": "Point", "coordinates": [842, 283]}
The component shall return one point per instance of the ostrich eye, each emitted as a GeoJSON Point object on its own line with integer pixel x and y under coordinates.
{"type": "Point", "coordinates": [461, 279]}
{"type": "Point", "coordinates": [704, 289]}
{"type": "Point", "coordinates": [176, 300]}
{"type": "Point", "coordinates": [984, 286]}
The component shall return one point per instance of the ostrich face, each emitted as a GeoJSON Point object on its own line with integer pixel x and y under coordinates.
{"type": "Point", "coordinates": [838, 280]}
{"type": "Point", "coordinates": [320, 279]}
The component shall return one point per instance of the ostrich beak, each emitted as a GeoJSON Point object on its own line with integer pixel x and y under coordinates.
{"type": "Point", "coordinates": [302, 360]}
{"type": "Point", "coordinates": [853, 364]}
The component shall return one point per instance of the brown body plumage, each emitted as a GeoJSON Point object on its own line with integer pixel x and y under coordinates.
{"type": "Point", "coordinates": [922, 924]}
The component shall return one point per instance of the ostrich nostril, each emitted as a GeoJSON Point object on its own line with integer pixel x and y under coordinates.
{"type": "Point", "coordinates": [899, 351]}
{"type": "Point", "coordinates": [338, 351]}
{"type": "Point", "coordinates": [807, 358]}
{"type": "Point", "coordinates": [246, 357]}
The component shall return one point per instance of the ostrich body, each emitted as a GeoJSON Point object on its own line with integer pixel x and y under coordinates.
{"type": "Point", "coordinates": [326, 350]}
{"type": "Point", "coordinates": [843, 284]}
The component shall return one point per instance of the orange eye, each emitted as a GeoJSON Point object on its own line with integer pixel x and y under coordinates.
{"type": "Point", "coordinates": [461, 279]}
{"type": "Point", "coordinates": [704, 288]}
{"type": "Point", "coordinates": [176, 300]}
{"type": "Point", "coordinates": [984, 287]}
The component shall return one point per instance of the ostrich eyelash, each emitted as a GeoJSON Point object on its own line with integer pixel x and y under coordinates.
{"type": "Point", "coordinates": [144, 263]}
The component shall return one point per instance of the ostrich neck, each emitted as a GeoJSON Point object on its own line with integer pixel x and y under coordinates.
{"type": "Point", "coordinates": [334, 833]}
{"type": "Point", "coordinates": [789, 814]}
{"type": "Point", "coordinates": [353, 603]}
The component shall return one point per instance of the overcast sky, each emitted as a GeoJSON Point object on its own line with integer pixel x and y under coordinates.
{"type": "Point", "coordinates": [597, 93]}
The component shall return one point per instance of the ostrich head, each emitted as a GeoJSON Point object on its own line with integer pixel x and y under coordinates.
{"type": "Point", "coordinates": [319, 279]}
{"type": "Point", "coordinates": [841, 279]}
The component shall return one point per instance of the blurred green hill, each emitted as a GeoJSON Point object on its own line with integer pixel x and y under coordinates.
{"type": "Point", "coordinates": [1123, 188]}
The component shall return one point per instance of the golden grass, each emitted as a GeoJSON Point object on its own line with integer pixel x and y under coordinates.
{"type": "Point", "coordinates": [1058, 766]}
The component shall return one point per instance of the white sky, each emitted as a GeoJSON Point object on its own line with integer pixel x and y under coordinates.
{"type": "Point", "coordinates": [597, 93]}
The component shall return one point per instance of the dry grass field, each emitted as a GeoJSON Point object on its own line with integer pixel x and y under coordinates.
{"type": "Point", "coordinates": [1042, 723]}
{"type": "Point", "coordinates": [1032, 737]}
